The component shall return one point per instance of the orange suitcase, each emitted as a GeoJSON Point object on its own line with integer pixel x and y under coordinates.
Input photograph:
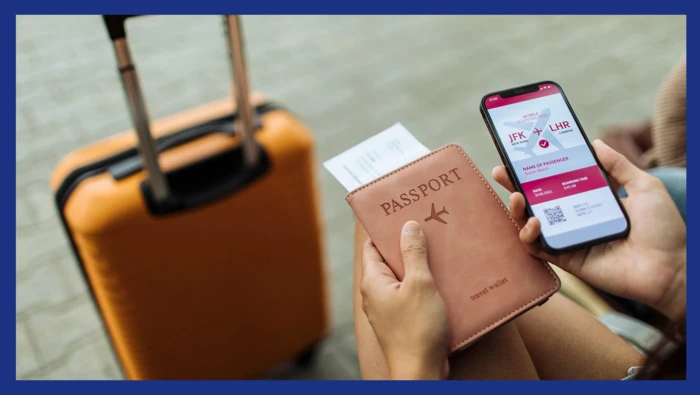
{"type": "Point", "coordinates": [208, 264]}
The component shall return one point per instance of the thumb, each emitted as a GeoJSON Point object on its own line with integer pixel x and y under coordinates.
{"type": "Point", "coordinates": [617, 166]}
{"type": "Point", "coordinates": [413, 250]}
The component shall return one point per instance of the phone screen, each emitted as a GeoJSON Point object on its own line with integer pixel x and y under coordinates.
{"type": "Point", "coordinates": [549, 156]}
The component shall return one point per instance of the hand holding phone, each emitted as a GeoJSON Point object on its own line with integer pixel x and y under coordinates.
{"type": "Point", "coordinates": [550, 161]}
{"type": "Point", "coordinates": [648, 265]}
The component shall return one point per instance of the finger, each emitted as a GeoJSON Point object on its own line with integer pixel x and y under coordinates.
{"type": "Point", "coordinates": [500, 175]}
{"type": "Point", "coordinates": [517, 209]}
{"type": "Point", "coordinates": [374, 269]}
{"type": "Point", "coordinates": [530, 231]}
{"type": "Point", "coordinates": [617, 166]}
{"type": "Point", "coordinates": [529, 236]}
{"type": "Point", "coordinates": [414, 250]}
{"type": "Point", "coordinates": [370, 252]}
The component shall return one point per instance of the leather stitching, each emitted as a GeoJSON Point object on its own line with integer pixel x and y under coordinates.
{"type": "Point", "coordinates": [518, 310]}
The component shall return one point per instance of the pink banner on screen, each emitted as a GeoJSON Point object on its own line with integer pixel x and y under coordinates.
{"type": "Point", "coordinates": [498, 101]}
{"type": "Point", "coordinates": [563, 185]}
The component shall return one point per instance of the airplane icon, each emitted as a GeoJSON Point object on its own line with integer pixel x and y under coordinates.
{"type": "Point", "coordinates": [538, 128]}
{"type": "Point", "coordinates": [436, 215]}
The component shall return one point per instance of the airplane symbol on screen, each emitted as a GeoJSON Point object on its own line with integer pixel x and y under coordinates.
{"type": "Point", "coordinates": [436, 215]}
{"type": "Point", "coordinates": [539, 127]}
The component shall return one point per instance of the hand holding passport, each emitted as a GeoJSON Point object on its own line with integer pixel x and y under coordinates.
{"type": "Point", "coordinates": [481, 270]}
{"type": "Point", "coordinates": [412, 306]}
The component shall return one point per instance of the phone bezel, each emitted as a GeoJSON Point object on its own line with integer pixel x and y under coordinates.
{"type": "Point", "coordinates": [520, 90]}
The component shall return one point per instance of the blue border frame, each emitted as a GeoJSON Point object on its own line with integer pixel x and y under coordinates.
{"type": "Point", "coordinates": [8, 174]}
{"type": "Point", "coordinates": [692, 142]}
{"type": "Point", "coordinates": [355, 7]}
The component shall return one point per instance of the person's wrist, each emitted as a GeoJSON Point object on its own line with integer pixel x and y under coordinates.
{"type": "Point", "coordinates": [417, 369]}
{"type": "Point", "coordinates": [673, 304]}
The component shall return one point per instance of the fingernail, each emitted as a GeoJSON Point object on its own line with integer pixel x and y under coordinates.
{"type": "Point", "coordinates": [411, 228]}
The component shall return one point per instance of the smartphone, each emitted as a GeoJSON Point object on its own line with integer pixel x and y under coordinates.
{"type": "Point", "coordinates": [551, 162]}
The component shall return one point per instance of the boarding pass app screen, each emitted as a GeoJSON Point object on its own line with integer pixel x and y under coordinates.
{"type": "Point", "coordinates": [564, 185]}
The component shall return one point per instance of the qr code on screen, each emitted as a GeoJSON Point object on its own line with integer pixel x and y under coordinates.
{"type": "Point", "coordinates": [554, 215]}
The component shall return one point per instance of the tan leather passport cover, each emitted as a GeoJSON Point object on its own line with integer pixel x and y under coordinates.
{"type": "Point", "coordinates": [483, 273]}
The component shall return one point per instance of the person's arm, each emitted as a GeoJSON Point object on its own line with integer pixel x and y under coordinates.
{"type": "Point", "coordinates": [408, 316]}
{"type": "Point", "coordinates": [674, 303]}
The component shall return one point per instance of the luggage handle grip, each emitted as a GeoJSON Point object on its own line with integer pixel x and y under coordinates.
{"type": "Point", "coordinates": [115, 25]}
{"type": "Point", "coordinates": [147, 146]}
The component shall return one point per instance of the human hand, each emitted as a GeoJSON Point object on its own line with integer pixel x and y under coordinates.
{"type": "Point", "coordinates": [648, 265]}
{"type": "Point", "coordinates": [408, 316]}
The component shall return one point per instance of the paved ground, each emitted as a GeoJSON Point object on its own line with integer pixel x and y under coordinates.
{"type": "Point", "coordinates": [348, 77]}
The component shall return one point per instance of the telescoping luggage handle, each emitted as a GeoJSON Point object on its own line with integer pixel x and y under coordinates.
{"type": "Point", "coordinates": [139, 113]}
